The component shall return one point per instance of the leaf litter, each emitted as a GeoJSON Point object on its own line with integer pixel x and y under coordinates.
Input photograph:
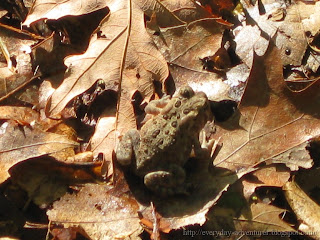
{"type": "Point", "coordinates": [135, 48]}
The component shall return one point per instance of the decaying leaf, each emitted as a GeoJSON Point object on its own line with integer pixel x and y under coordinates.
{"type": "Point", "coordinates": [292, 27]}
{"type": "Point", "coordinates": [104, 139]}
{"type": "Point", "coordinates": [305, 209]}
{"type": "Point", "coordinates": [190, 210]}
{"type": "Point", "coordinates": [15, 41]}
{"type": "Point", "coordinates": [47, 9]}
{"type": "Point", "coordinates": [122, 55]}
{"type": "Point", "coordinates": [20, 143]}
{"type": "Point", "coordinates": [20, 114]}
{"type": "Point", "coordinates": [236, 218]}
{"type": "Point", "coordinates": [185, 45]}
{"type": "Point", "coordinates": [99, 211]}
{"type": "Point", "coordinates": [46, 180]}
{"type": "Point", "coordinates": [166, 16]}
{"type": "Point", "coordinates": [248, 39]}
{"type": "Point", "coordinates": [15, 78]}
{"type": "Point", "coordinates": [265, 218]}
{"type": "Point", "coordinates": [295, 157]}
{"type": "Point", "coordinates": [272, 121]}
{"type": "Point", "coordinates": [291, 39]}
{"type": "Point", "coordinates": [128, 55]}
{"type": "Point", "coordinates": [273, 175]}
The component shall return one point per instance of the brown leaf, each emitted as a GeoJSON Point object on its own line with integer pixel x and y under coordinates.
{"type": "Point", "coordinates": [293, 33]}
{"type": "Point", "coordinates": [304, 207]}
{"type": "Point", "coordinates": [275, 176]}
{"type": "Point", "coordinates": [237, 217]}
{"type": "Point", "coordinates": [265, 218]}
{"type": "Point", "coordinates": [122, 55]}
{"type": "Point", "coordinates": [64, 234]}
{"type": "Point", "coordinates": [257, 43]}
{"type": "Point", "coordinates": [301, 18]}
{"type": "Point", "coordinates": [12, 82]}
{"type": "Point", "coordinates": [295, 157]}
{"type": "Point", "coordinates": [104, 140]}
{"type": "Point", "coordinates": [291, 38]}
{"type": "Point", "coordinates": [13, 78]}
{"type": "Point", "coordinates": [23, 115]}
{"type": "Point", "coordinates": [272, 175]}
{"type": "Point", "coordinates": [190, 210]}
{"type": "Point", "coordinates": [162, 11]}
{"type": "Point", "coordinates": [49, 55]}
{"type": "Point", "coordinates": [184, 46]}
{"type": "Point", "coordinates": [99, 212]}
{"type": "Point", "coordinates": [3, 12]}
{"type": "Point", "coordinates": [20, 143]}
{"type": "Point", "coordinates": [16, 40]}
{"type": "Point", "coordinates": [309, 180]}
{"type": "Point", "coordinates": [46, 180]}
{"type": "Point", "coordinates": [187, 11]}
{"type": "Point", "coordinates": [48, 9]}
{"type": "Point", "coordinates": [272, 121]}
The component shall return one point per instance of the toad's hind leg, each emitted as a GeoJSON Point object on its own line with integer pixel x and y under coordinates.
{"type": "Point", "coordinates": [166, 182]}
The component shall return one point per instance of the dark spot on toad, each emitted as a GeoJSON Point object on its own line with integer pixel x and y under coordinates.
{"type": "Point", "coordinates": [174, 124]}
{"type": "Point", "coordinates": [177, 104]}
{"type": "Point", "coordinates": [186, 111]}
{"type": "Point", "coordinates": [155, 133]}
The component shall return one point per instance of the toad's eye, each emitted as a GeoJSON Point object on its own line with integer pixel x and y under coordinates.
{"type": "Point", "coordinates": [186, 92]}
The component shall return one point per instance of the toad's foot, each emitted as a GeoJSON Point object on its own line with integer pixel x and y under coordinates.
{"type": "Point", "coordinates": [167, 182]}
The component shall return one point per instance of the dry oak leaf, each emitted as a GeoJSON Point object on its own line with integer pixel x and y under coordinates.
{"type": "Point", "coordinates": [18, 143]}
{"type": "Point", "coordinates": [55, 9]}
{"type": "Point", "coordinates": [185, 45]}
{"type": "Point", "coordinates": [302, 18]}
{"type": "Point", "coordinates": [293, 34]}
{"type": "Point", "coordinates": [174, 14]}
{"type": "Point", "coordinates": [264, 218]}
{"type": "Point", "coordinates": [102, 140]}
{"type": "Point", "coordinates": [272, 120]}
{"type": "Point", "coordinates": [100, 212]}
{"type": "Point", "coordinates": [159, 9]}
{"type": "Point", "coordinates": [305, 208]}
{"type": "Point", "coordinates": [22, 115]}
{"type": "Point", "coordinates": [189, 210]}
{"type": "Point", "coordinates": [45, 179]}
{"type": "Point", "coordinates": [12, 78]}
{"type": "Point", "coordinates": [241, 218]}
{"type": "Point", "coordinates": [271, 175]}
{"type": "Point", "coordinates": [121, 54]}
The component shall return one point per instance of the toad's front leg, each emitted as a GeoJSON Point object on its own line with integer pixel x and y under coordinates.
{"type": "Point", "coordinates": [128, 145]}
{"type": "Point", "coordinates": [204, 149]}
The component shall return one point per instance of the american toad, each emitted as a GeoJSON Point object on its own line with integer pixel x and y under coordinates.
{"type": "Point", "coordinates": [161, 148]}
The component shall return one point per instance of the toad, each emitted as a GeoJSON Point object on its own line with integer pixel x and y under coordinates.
{"type": "Point", "coordinates": [159, 151]}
